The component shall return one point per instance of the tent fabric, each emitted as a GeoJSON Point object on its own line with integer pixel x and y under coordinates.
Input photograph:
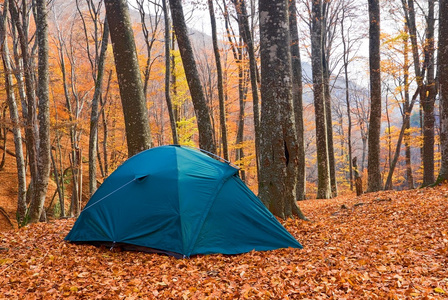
{"type": "Point", "coordinates": [178, 200]}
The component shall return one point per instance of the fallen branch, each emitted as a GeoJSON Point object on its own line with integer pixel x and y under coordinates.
{"type": "Point", "coordinates": [6, 216]}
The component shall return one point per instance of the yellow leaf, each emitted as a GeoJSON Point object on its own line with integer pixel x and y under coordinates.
{"type": "Point", "coordinates": [74, 288]}
{"type": "Point", "coordinates": [439, 290]}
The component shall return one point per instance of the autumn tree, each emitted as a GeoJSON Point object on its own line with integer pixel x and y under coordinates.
{"type": "Point", "coordinates": [429, 97]}
{"type": "Point", "coordinates": [443, 86]}
{"type": "Point", "coordinates": [329, 21]}
{"type": "Point", "coordinates": [14, 116]}
{"type": "Point", "coordinates": [323, 188]}
{"type": "Point", "coordinates": [245, 31]}
{"type": "Point", "coordinates": [297, 94]}
{"type": "Point", "coordinates": [279, 149]}
{"type": "Point", "coordinates": [373, 167]}
{"type": "Point", "coordinates": [168, 99]}
{"type": "Point", "coordinates": [240, 59]}
{"type": "Point", "coordinates": [196, 90]}
{"type": "Point", "coordinates": [427, 89]}
{"type": "Point", "coordinates": [138, 134]}
{"type": "Point", "coordinates": [43, 151]}
{"type": "Point", "coordinates": [222, 108]}
{"type": "Point", "coordinates": [94, 116]}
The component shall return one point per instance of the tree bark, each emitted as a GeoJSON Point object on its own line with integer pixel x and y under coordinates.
{"type": "Point", "coordinates": [323, 169]}
{"type": "Point", "coordinates": [279, 149]}
{"type": "Point", "coordinates": [243, 23]}
{"type": "Point", "coordinates": [407, 116]}
{"type": "Point", "coordinates": [327, 39]}
{"type": "Point", "coordinates": [428, 101]}
{"type": "Point", "coordinates": [15, 120]}
{"type": "Point", "coordinates": [43, 159]}
{"type": "Point", "coordinates": [407, 135]}
{"type": "Point", "coordinates": [373, 164]}
{"type": "Point", "coordinates": [27, 93]}
{"type": "Point", "coordinates": [242, 89]}
{"type": "Point", "coordinates": [94, 114]}
{"type": "Point", "coordinates": [133, 101]}
{"type": "Point", "coordinates": [443, 87]}
{"type": "Point", "coordinates": [222, 107]}
{"type": "Point", "coordinates": [169, 102]}
{"type": "Point", "coordinates": [197, 93]}
{"type": "Point", "coordinates": [297, 93]}
{"type": "Point", "coordinates": [358, 179]}
{"type": "Point", "coordinates": [345, 57]}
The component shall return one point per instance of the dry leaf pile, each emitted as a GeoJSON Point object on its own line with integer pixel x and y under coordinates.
{"type": "Point", "coordinates": [388, 245]}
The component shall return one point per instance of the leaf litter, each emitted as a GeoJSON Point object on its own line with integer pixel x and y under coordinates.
{"type": "Point", "coordinates": [392, 246]}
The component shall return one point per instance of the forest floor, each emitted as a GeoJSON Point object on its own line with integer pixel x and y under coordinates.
{"type": "Point", "coordinates": [386, 245]}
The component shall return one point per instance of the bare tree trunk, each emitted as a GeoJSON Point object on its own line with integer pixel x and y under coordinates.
{"type": "Point", "coordinates": [443, 87]}
{"type": "Point", "coordinates": [222, 107]}
{"type": "Point", "coordinates": [405, 124]}
{"type": "Point", "coordinates": [169, 102]}
{"type": "Point", "coordinates": [407, 135]}
{"type": "Point", "coordinates": [373, 165]}
{"type": "Point", "coordinates": [15, 120]}
{"type": "Point", "coordinates": [329, 121]}
{"type": "Point", "coordinates": [94, 115]}
{"type": "Point", "coordinates": [194, 83]}
{"type": "Point", "coordinates": [297, 90]}
{"type": "Point", "coordinates": [43, 161]}
{"type": "Point", "coordinates": [138, 134]}
{"type": "Point", "coordinates": [242, 88]}
{"type": "Point", "coordinates": [243, 23]}
{"type": "Point", "coordinates": [358, 179]}
{"type": "Point", "coordinates": [150, 36]}
{"type": "Point", "coordinates": [279, 149]}
{"type": "Point", "coordinates": [103, 101]}
{"type": "Point", "coordinates": [57, 179]}
{"type": "Point", "coordinates": [28, 93]}
{"type": "Point", "coordinates": [345, 57]}
{"type": "Point", "coordinates": [323, 170]}
{"type": "Point", "coordinates": [429, 99]}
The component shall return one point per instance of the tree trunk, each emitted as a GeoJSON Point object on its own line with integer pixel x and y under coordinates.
{"type": "Point", "coordinates": [242, 89]}
{"type": "Point", "coordinates": [429, 100]}
{"type": "Point", "coordinates": [243, 23]}
{"type": "Point", "coordinates": [169, 102]}
{"type": "Point", "coordinates": [373, 164]}
{"type": "Point", "coordinates": [222, 107]}
{"type": "Point", "coordinates": [407, 116]}
{"type": "Point", "coordinates": [194, 83]}
{"type": "Point", "coordinates": [443, 87]}
{"type": "Point", "coordinates": [407, 134]}
{"type": "Point", "coordinates": [329, 120]}
{"type": "Point", "coordinates": [323, 170]}
{"type": "Point", "coordinates": [279, 149]}
{"type": "Point", "coordinates": [345, 57]}
{"type": "Point", "coordinates": [94, 115]}
{"type": "Point", "coordinates": [133, 101]}
{"type": "Point", "coordinates": [43, 161]}
{"type": "Point", "coordinates": [15, 120]}
{"type": "Point", "coordinates": [27, 93]}
{"type": "Point", "coordinates": [297, 90]}
{"type": "Point", "coordinates": [358, 179]}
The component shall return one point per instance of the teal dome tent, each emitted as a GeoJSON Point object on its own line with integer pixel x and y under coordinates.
{"type": "Point", "coordinates": [179, 201]}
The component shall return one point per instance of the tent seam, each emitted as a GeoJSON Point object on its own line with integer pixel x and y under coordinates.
{"type": "Point", "coordinates": [205, 214]}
